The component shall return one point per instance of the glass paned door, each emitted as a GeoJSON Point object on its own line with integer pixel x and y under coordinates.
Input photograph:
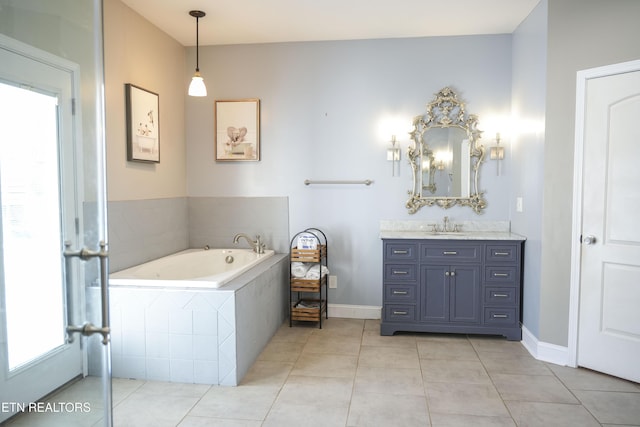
{"type": "Point", "coordinates": [52, 192]}
{"type": "Point", "coordinates": [29, 185]}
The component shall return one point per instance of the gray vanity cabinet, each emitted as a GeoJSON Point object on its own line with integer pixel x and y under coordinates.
{"type": "Point", "coordinates": [452, 286]}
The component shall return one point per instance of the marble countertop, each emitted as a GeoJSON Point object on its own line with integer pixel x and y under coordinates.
{"type": "Point", "coordinates": [470, 235]}
{"type": "Point", "coordinates": [469, 230]}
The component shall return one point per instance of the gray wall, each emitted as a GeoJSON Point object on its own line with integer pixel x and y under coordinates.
{"type": "Point", "coordinates": [527, 150]}
{"type": "Point", "coordinates": [582, 34]}
{"type": "Point", "coordinates": [323, 106]}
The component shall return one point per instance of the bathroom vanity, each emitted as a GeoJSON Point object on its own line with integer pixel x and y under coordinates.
{"type": "Point", "coordinates": [452, 282]}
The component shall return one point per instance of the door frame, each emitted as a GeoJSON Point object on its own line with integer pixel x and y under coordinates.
{"type": "Point", "coordinates": [583, 77]}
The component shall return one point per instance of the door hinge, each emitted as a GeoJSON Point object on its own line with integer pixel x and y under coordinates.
{"type": "Point", "coordinates": [73, 106]}
{"type": "Point", "coordinates": [77, 225]}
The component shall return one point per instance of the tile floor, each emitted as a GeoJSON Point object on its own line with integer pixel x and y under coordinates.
{"type": "Point", "coordinates": [346, 374]}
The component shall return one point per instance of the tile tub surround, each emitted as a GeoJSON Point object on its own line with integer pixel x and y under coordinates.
{"type": "Point", "coordinates": [197, 336]}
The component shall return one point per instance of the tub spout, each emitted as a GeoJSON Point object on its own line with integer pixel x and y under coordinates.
{"type": "Point", "coordinates": [257, 245]}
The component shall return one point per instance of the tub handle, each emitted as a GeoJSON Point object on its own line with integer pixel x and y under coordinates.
{"type": "Point", "coordinates": [87, 328]}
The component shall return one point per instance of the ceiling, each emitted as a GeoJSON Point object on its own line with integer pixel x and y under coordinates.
{"type": "Point", "coordinates": [269, 21]}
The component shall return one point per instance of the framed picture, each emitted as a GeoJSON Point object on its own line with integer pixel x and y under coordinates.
{"type": "Point", "coordinates": [237, 130]}
{"type": "Point", "coordinates": [143, 124]}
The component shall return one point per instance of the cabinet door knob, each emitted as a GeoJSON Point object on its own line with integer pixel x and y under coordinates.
{"type": "Point", "coordinates": [450, 252]}
{"type": "Point", "coordinates": [400, 252]}
{"type": "Point", "coordinates": [400, 292]}
{"type": "Point", "coordinates": [400, 272]}
{"type": "Point", "coordinates": [399, 313]}
{"type": "Point", "coordinates": [500, 275]}
{"type": "Point", "coordinates": [499, 316]}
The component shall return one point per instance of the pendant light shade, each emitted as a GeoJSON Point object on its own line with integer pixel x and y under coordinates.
{"type": "Point", "coordinates": [197, 87]}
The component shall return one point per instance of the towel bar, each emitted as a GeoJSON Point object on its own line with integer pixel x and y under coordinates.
{"type": "Point", "coordinates": [365, 182]}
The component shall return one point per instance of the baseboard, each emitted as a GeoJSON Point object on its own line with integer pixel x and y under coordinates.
{"type": "Point", "coordinates": [543, 351]}
{"type": "Point", "coordinates": [348, 311]}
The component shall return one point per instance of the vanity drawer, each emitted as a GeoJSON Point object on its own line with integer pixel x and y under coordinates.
{"type": "Point", "coordinates": [499, 316]}
{"type": "Point", "coordinates": [450, 252]}
{"type": "Point", "coordinates": [399, 312]}
{"type": "Point", "coordinates": [496, 273]}
{"type": "Point", "coordinates": [400, 293]}
{"type": "Point", "coordinates": [400, 272]}
{"type": "Point", "coordinates": [501, 252]}
{"type": "Point", "coordinates": [500, 295]}
{"type": "Point", "coordinates": [400, 251]}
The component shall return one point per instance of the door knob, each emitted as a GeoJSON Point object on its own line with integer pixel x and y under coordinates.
{"type": "Point", "coordinates": [589, 239]}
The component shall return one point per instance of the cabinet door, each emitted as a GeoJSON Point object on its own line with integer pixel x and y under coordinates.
{"type": "Point", "coordinates": [434, 295]}
{"type": "Point", "coordinates": [464, 291]}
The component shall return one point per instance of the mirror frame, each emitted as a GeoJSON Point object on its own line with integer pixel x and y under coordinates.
{"type": "Point", "coordinates": [445, 111]}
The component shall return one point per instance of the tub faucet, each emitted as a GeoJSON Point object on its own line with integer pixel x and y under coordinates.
{"type": "Point", "coordinates": [257, 245]}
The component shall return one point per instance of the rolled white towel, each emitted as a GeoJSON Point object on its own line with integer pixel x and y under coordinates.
{"type": "Point", "coordinates": [299, 269]}
{"type": "Point", "coordinates": [314, 272]}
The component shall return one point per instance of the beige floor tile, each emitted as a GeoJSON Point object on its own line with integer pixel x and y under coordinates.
{"type": "Point", "coordinates": [465, 399]}
{"type": "Point", "coordinates": [307, 415]}
{"type": "Point", "coordinates": [372, 325]}
{"type": "Point", "coordinates": [612, 407]}
{"type": "Point", "coordinates": [326, 365]}
{"type": "Point", "coordinates": [375, 410]}
{"type": "Point", "coordinates": [243, 402]}
{"type": "Point", "coordinates": [389, 381]}
{"type": "Point", "coordinates": [330, 344]}
{"type": "Point", "coordinates": [341, 327]}
{"type": "Point", "coordinates": [532, 388]}
{"type": "Point", "coordinates": [190, 421]}
{"type": "Point", "coordinates": [446, 349]}
{"type": "Point", "coordinates": [497, 347]}
{"type": "Point", "coordinates": [455, 420]}
{"type": "Point", "coordinates": [539, 414]}
{"type": "Point", "coordinates": [267, 373]}
{"type": "Point", "coordinates": [311, 401]}
{"type": "Point", "coordinates": [299, 332]}
{"type": "Point", "coordinates": [454, 371]}
{"type": "Point", "coordinates": [151, 410]}
{"type": "Point", "coordinates": [322, 391]}
{"type": "Point", "coordinates": [389, 357]}
{"type": "Point", "coordinates": [373, 338]}
{"type": "Point", "coordinates": [516, 365]}
{"type": "Point", "coordinates": [585, 379]}
{"type": "Point", "coordinates": [282, 351]}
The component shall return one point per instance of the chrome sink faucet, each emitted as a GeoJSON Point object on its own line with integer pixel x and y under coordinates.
{"type": "Point", "coordinates": [446, 227]}
{"type": "Point", "coordinates": [257, 245]}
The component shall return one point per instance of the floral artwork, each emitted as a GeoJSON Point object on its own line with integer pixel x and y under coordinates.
{"type": "Point", "coordinates": [237, 130]}
{"type": "Point", "coordinates": [143, 128]}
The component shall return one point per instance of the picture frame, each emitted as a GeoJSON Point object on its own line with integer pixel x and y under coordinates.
{"type": "Point", "coordinates": [143, 124]}
{"type": "Point", "coordinates": [237, 130]}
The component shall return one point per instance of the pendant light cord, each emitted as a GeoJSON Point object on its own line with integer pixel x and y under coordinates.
{"type": "Point", "coordinates": [197, 44]}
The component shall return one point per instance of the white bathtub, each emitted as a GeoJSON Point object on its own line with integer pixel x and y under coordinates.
{"type": "Point", "coordinates": [192, 268]}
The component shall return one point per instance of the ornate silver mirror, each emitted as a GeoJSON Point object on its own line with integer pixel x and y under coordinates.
{"type": "Point", "coordinates": [445, 156]}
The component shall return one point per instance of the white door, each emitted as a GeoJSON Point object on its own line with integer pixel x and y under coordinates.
{"type": "Point", "coordinates": [38, 213]}
{"type": "Point", "coordinates": [609, 304]}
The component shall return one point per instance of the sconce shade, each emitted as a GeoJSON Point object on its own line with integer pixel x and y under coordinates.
{"type": "Point", "coordinates": [197, 87]}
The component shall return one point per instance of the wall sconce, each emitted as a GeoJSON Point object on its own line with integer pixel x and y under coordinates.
{"type": "Point", "coordinates": [393, 155]}
{"type": "Point", "coordinates": [197, 87]}
{"type": "Point", "coordinates": [497, 153]}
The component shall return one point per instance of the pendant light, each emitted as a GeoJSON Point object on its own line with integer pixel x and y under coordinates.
{"type": "Point", "coordinates": [197, 87]}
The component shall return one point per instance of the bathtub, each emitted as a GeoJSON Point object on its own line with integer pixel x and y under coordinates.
{"type": "Point", "coordinates": [177, 319]}
{"type": "Point", "coordinates": [192, 268]}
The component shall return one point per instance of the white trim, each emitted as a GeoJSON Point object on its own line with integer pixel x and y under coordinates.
{"type": "Point", "coordinates": [348, 311]}
{"type": "Point", "coordinates": [576, 248]}
{"type": "Point", "coordinates": [543, 351]}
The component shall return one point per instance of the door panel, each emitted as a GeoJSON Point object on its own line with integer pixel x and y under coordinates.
{"type": "Point", "coordinates": [609, 319]}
